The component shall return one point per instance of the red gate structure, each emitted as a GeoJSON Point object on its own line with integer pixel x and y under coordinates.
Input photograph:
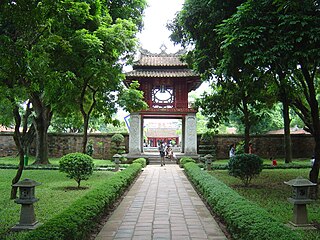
{"type": "Point", "coordinates": [165, 81]}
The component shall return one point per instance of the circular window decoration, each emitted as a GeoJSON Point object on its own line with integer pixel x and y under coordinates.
{"type": "Point", "coordinates": [162, 96]}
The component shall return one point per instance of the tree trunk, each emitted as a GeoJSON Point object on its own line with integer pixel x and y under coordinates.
{"type": "Point", "coordinates": [17, 177]}
{"type": "Point", "coordinates": [314, 109]}
{"type": "Point", "coordinates": [18, 142]}
{"type": "Point", "coordinates": [86, 116]}
{"type": "Point", "coordinates": [41, 121]}
{"type": "Point", "coordinates": [287, 136]}
{"type": "Point", "coordinates": [85, 132]}
{"type": "Point", "coordinates": [22, 141]}
{"type": "Point", "coordinates": [41, 142]}
{"type": "Point", "coordinates": [247, 126]}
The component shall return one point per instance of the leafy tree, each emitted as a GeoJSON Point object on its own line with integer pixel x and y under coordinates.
{"type": "Point", "coordinates": [24, 26]}
{"type": "Point", "coordinates": [279, 87]}
{"type": "Point", "coordinates": [196, 25]}
{"type": "Point", "coordinates": [234, 96]}
{"type": "Point", "coordinates": [98, 49]}
{"type": "Point", "coordinates": [11, 110]}
{"type": "Point", "coordinates": [126, 9]}
{"type": "Point", "coordinates": [67, 123]}
{"type": "Point", "coordinates": [131, 99]}
{"type": "Point", "coordinates": [63, 49]}
{"type": "Point", "coordinates": [281, 36]}
{"type": "Point", "coordinates": [266, 120]}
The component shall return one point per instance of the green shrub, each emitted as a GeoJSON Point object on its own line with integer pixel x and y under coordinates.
{"type": "Point", "coordinates": [185, 160]}
{"type": "Point", "coordinates": [207, 137]}
{"type": "Point", "coordinates": [244, 219]}
{"type": "Point", "coordinates": [117, 139]}
{"type": "Point", "coordinates": [80, 218]}
{"type": "Point", "coordinates": [90, 148]}
{"type": "Point", "coordinates": [141, 161]}
{"type": "Point", "coordinates": [116, 147]}
{"type": "Point", "coordinates": [77, 166]}
{"type": "Point", "coordinates": [245, 166]}
{"type": "Point", "coordinates": [123, 160]}
{"type": "Point", "coordinates": [239, 147]}
{"type": "Point", "coordinates": [121, 149]}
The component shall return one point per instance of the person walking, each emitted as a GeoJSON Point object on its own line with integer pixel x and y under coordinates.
{"type": "Point", "coordinates": [161, 149]}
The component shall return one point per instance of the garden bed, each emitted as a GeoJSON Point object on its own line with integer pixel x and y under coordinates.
{"type": "Point", "coordinates": [244, 219]}
{"type": "Point", "coordinates": [269, 191]}
{"type": "Point", "coordinates": [65, 211]}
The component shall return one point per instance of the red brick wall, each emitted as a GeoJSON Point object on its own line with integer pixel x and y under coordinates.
{"type": "Point", "coordinates": [61, 144]}
{"type": "Point", "coordinates": [265, 146]}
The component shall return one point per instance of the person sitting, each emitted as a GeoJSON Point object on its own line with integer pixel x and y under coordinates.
{"type": "Point", "coordinates": [170, 152]}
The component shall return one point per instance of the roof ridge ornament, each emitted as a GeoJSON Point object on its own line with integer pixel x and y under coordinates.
{"type": "Point", "coordinates": [163, 49]}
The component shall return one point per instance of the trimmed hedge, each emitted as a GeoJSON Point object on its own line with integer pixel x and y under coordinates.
{"type": "Point", "coordinates": [244, 219]}
{"type": "Point", "coordinates": [185, 160]}
{"type": "Point", "coordinates": [141, 161]}
{"type": "Point", "coordinates": [76, 221]}
{"type": "Point", "coordinates": [265, 166]}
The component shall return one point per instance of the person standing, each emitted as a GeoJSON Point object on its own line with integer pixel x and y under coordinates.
{"type": "Point", "coordinates": [232, 150]}
{"type": "Point", "coordinates": [161, 149]}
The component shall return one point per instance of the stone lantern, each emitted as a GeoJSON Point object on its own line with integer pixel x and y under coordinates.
{"type": "Point", "coordinates": [209, 159]}
{"type": "Point", "coordinates": [300, 198]}
{"type": "Point", "coordinates": [116, 158]}
{"type": "Point", "coordinates": [26, 199]}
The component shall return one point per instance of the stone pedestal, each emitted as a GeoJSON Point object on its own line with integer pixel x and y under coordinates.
{"type": "Point", "coordinates": [300, 215]}
{"type": "Point", "coordinates": [27, 219]}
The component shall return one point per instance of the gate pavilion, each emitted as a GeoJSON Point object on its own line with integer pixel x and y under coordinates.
{"type": "Point", "coordinates": [165, 81]}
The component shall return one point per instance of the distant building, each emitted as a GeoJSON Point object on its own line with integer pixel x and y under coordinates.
{"type": "Point", "coordinates": [6, 129]}
{"type": "Point", "coordinates": [156, 135]}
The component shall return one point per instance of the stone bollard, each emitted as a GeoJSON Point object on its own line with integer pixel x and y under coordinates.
{"type": "Point", "coordinates": [209, 159]}
{"type": "Point", "coordinates": [116, 158]}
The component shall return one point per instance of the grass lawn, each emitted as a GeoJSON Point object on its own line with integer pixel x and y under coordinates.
{"type": "Point", "coordinates": [53, 161]}
{"type": "Point", "coordinates": [269, 191]}
{"type": "Point", "coordinates": [56, 193]}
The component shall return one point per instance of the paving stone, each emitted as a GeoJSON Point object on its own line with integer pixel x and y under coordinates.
{"type": "Point", "coordinates": [161, 205]}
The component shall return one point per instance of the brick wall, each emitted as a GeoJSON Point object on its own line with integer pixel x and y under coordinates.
{"type": "Point", "coordinates": [61, 144]}
{"type": "Point", "coordinates": [265, 146]}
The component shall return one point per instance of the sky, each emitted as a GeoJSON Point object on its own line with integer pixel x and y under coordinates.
{"type": "Point", "coordinates": [156, 16]}
{"type": "Point", "coordinates": [154, 34]}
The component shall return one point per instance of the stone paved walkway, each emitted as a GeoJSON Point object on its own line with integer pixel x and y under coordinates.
{"type": "Point", "coordinates": [161, 204]}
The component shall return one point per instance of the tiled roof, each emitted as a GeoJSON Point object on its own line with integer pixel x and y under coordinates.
{"type": "Point", "coordinates": [160, 60]}
{"type": "Point", "coordinates": [163, 59]}
{"type": "Point", "coordinates": [162, 73]}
